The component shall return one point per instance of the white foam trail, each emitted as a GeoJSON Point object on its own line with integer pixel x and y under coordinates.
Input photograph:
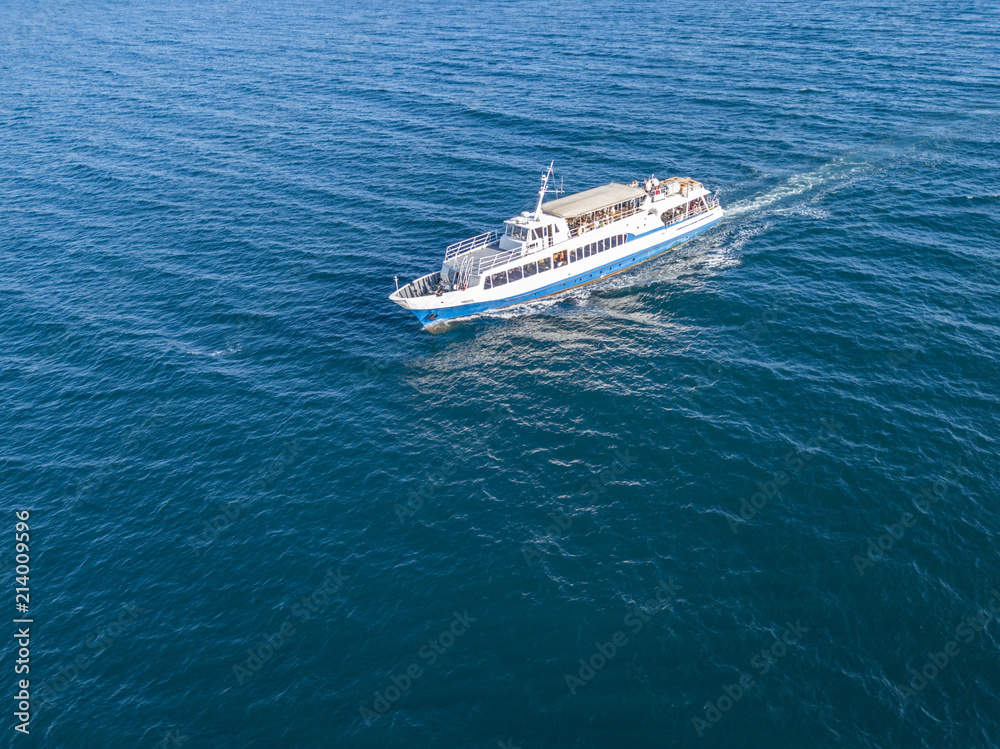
{"type": "Point", "coordinates": [836, 173]}
{"type": "Point", "coordinates": [716, 250]}
{"type": "Point", "coordinates": [793, 186]}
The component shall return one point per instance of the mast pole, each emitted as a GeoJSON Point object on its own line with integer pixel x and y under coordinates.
{"type": "Point", "coordinates": [541, 192]}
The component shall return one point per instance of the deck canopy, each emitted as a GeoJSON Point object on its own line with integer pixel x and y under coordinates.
{"type": "Point", "coordinates": [592, 200]}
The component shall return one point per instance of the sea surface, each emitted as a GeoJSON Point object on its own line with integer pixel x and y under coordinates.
{"type": "Point", "coordinates": [743, 495]}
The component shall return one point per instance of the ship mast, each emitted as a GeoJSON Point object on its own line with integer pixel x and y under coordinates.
{"type": "Point", "coordinates": [541, 192]}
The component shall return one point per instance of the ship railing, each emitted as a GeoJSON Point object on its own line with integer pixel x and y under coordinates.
{"type": "Point", "coordinates": [600, 219]}
{"type": "Point", "coordinates": [472, 268]}
{"type": "Point", "coordinates": [471, 244]}
{"type": "Point", "coordinates": [491, 262]}
{"type": "Point", "coordinates": [423, 286]}
{"type": "Point", "coordinates": [709, 204]}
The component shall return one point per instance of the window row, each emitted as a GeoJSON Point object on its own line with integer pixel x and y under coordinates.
{"type": "Point", "coordinates": [557, 260]}
{"type": "Point", "coordinates": [595, 247]}
{"type": "Point", "coordinates": [523, 234]}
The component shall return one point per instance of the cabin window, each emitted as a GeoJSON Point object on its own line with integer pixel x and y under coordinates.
{"type": "Point", "coordinates": [499, 279]}
{"type": "Point", "coordinates": [575, 255]}
{"type": "Point", "coordinates": [614, 241]}
{"type": "Point", "coordinates": [529, 270]}
{"type": "Point", "coordinates": [514, 274]}
{"type": "Point", "coordinates": [517, 232]}
{"type": "Point", "coordinates": [544, 264]}
{"type": "Point", "coordinates": [487, 283]}
{"type": "Point", "coordinates": [559, 259]}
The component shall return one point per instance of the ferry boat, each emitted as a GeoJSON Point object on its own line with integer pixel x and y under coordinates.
{"type": "Point", "coordinates": [567, 242]}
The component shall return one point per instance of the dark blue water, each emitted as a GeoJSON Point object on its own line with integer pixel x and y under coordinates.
{"type": "Point", "coordinates": [741, 496]}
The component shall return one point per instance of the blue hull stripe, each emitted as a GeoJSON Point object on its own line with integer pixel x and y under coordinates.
{"type": "Point", "coordinates": [432, 316]}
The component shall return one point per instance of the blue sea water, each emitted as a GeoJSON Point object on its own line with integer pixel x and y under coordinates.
{"type": "Point", "coordinates": [744, 495]}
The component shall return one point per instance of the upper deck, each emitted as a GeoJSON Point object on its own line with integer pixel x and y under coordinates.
{"type": "Point", "coordinates": [606, 197]}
